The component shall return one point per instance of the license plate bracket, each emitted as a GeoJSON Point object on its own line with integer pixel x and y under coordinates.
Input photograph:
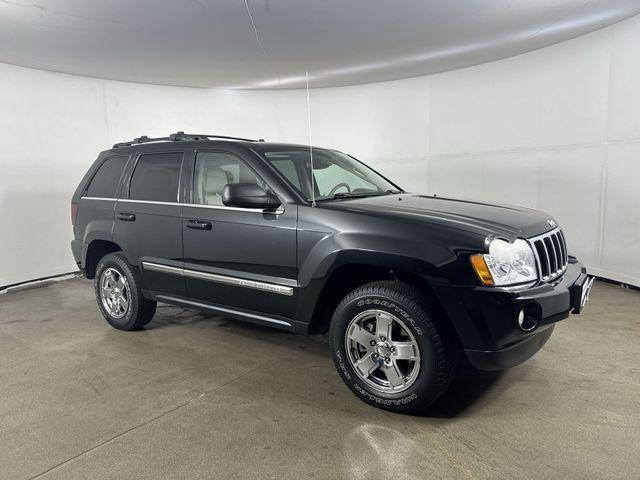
{"type": "Point", "coordinates": [580, 292]}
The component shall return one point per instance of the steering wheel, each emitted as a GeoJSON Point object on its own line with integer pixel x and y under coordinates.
{"type": "Point", "coordinates": [334, 189]}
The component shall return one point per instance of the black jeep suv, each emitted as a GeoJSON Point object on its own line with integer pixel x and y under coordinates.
{"type": "Point", "coordinates": [310, 240]}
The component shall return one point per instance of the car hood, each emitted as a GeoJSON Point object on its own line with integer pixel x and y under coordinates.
{"type": "Point", "coordinates": [504, 220]}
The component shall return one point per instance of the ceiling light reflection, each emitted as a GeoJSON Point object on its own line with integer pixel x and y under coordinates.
{"type": "Point", "coordinates": [573, 26]}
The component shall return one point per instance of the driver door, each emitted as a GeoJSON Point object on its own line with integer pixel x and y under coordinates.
{"type": "Point", "coordinates": [235, 256]}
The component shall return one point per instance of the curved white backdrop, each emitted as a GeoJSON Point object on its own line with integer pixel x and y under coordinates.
{"type": "Point", "coordinates": [557, 129]}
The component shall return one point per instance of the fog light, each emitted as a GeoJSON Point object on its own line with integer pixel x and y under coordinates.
{"type": "Point", "coordinates": [529, 316]}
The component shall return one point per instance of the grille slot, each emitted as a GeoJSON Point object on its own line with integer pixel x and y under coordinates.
{"type": "Point", "coordinates": [551, 254]}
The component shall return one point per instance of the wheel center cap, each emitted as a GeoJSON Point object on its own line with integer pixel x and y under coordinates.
{"type": "Point", "coordinates": [383, 349]}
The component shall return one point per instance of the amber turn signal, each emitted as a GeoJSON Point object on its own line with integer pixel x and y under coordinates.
{"type": "Point", "coordinates": [482, 270]}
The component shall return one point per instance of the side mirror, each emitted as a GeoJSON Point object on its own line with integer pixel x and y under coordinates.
{"type": "Point", "coordinates": [248, 195]}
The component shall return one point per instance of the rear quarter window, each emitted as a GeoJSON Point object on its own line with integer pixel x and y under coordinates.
{"type": "Point", "coordinates": [104, 183]}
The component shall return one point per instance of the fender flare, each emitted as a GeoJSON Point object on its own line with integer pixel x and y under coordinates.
{"type": "Point", "coordinates": [316, 283]}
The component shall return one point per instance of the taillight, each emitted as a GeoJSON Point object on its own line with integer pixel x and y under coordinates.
{"type": "Point", "coordinates": [74, 213]}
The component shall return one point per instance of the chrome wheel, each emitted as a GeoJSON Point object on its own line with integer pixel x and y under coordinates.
{"type": "Point", "coordinates": [382, 351]}
{"type": "Point", "coordinates": [114, 292]}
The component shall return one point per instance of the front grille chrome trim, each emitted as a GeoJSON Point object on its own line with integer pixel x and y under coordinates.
{"type": "Point", "coordinates": [550, 251]}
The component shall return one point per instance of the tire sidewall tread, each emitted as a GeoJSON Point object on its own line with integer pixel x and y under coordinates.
{"type": "Point", "coordinates": [141, 310]}
{"type": "Point", "coordinates": [437, 350]}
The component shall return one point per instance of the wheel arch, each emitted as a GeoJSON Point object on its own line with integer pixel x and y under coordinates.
{"type": "Point", "coordinates": [346, 277]}
{"type": "Point", "coordinates": [96, 250]}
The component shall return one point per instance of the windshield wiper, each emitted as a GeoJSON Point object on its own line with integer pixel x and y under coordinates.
{"type": "Point", "coordinates": [365, 194]}
{"type": "Point", "coordinates": [343, 195]}
{"type": "Point", "coordinates": [357, 194]}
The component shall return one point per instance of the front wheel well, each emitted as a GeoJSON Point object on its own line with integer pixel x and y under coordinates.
{"type": "Point", "coordinates": [346, 278]}
{"type": "Point", "coordinates": [95, 251]}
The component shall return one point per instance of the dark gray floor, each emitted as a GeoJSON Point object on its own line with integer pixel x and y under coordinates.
{"type": "Point", "coordinates": [195, 396]}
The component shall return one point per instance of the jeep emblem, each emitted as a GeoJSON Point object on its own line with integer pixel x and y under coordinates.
{"type": "Point", "coordinates": [552, 223]}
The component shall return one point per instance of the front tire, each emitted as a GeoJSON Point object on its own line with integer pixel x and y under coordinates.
{"type": "Point", "coordinates": [118, 294]}
{"type": "Point", "coordinates": [389, 349]}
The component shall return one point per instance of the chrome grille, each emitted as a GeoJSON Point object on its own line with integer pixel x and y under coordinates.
{"type": "Point", "coordinates": [551, 254]}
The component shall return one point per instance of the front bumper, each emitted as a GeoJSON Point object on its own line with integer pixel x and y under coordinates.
{"type": "Point", "coordinates": [486, 318]}
{"type": "Point", "coordinates": [512, 355]}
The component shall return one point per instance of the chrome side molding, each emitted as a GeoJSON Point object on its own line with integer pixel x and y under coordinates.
{"type": "Point", "coordinates": [157, 267]}
{"type": "Point", "coordinates": [212, 277]}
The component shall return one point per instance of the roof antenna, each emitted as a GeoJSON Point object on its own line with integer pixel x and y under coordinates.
{"type": "Point", "coordinates": [313, 187]}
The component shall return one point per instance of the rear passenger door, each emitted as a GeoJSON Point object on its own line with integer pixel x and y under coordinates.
{"type": "Point", "coordinates": [148, 224]}
{"type": "Point", "coordinates": [237, 256]}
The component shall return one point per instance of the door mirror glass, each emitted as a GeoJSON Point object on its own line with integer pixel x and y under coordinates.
{"type": "Point", "coordinates": [249, 195]}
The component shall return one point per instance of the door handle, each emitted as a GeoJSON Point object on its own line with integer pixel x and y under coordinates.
{"type": "Point", "coordinates": [199, 225]}
{"type": "Point", "coordinates": [127, 217]}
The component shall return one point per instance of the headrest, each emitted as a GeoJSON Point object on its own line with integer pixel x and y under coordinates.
{"type": "Point", "coordinates": [215, 180]}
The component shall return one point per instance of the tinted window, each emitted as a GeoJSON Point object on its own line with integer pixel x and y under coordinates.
{"type": "Point", "coordinates": [156, 177]}
{"type": "Point", "coordinates": [213, 171]}
{"type": "Point", "coordinates": [105, 182]}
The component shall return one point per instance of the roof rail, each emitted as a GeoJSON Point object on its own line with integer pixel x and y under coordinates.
{"type": "Point", "coordinates": [181, 137]}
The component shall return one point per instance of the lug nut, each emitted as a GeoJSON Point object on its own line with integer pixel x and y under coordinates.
{"type": "Point", "coordinates": [387, 359]}
{"type": "Point", "coordinates": [383, 338]}
{"type": "Point", "coordinates": [393, 349]}
{"type": "Point", "coordinates": [373, 343]}
{"type": "Point", "coordinates": [375, 355]}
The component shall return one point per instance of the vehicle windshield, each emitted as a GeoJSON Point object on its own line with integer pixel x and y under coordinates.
{"type": "Point", "coordinates": [335, 175]}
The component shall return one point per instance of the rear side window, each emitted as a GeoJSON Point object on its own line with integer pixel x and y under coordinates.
{"type": "Point", "coordinates": [104, 183]}
{"type": "Point", "coordinates": [156, 177]}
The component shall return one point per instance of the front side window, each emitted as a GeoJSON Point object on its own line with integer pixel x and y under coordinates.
{"type": "Point", "coordinates": [104, 183]}
{"type": "Point", "coordinates": [335, 175]}
{"type": "Point", "coordinates": [156, 177]}
{"type": "Point", "coordinates": [213, 171]}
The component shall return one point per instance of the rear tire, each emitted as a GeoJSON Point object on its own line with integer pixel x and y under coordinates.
{"type": "Point", "coordinates": [389, 349]}
{"type": "Point", "coordinates": [118, 294]}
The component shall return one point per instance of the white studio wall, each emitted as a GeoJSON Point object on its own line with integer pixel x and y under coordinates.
{"type": "Point", "coordinates": [556, 129]}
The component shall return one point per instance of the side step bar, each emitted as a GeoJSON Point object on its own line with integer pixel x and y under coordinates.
{"type": "Point", "coordinates": [228, 312]}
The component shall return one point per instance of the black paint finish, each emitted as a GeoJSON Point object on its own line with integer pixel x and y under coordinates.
{"type": "Point", "coordinates": [300, 246]}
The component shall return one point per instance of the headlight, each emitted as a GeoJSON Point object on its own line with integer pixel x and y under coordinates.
{"type": "Point", "coordinates": [506, 263]}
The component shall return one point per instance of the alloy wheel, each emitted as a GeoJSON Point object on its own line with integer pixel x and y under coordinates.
{"type": "Point", "coordinates": [114, 292]}
{"type": "Point", "coordinates": [382, 351]}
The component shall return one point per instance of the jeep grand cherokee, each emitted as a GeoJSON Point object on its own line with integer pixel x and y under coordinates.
{"type": "Point", "coordinates": [314, 241]}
